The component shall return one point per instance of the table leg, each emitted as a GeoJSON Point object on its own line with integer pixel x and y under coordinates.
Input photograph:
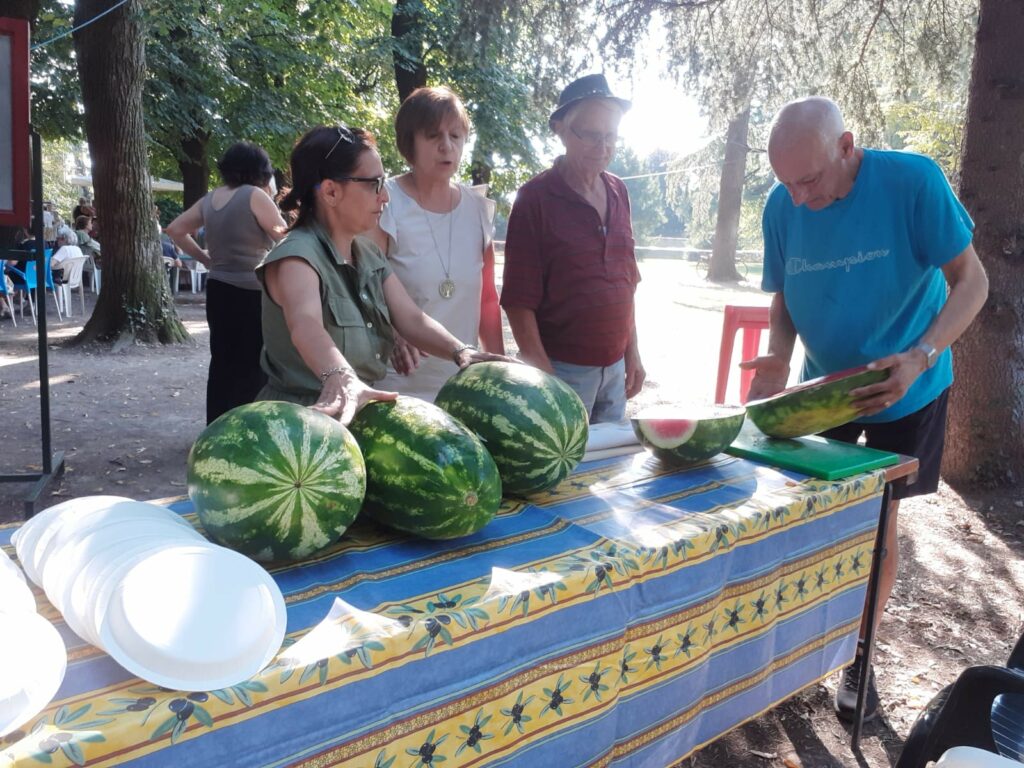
{"type": "Point", "coordinates": [868, 647]}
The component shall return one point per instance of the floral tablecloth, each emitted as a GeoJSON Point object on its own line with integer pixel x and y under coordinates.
{"type": "Point", "coordinates": [625, 618]}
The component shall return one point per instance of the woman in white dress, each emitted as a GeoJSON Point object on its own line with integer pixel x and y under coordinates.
{"type": "Point", "coordinates": [437, 235]}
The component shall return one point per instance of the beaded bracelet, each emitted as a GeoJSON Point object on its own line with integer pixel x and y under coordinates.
{"type": "Point", "coordinates": [331, 371]}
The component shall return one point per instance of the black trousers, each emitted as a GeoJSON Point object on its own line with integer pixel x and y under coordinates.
{"type": "Point", "coordinates": [236, 339]}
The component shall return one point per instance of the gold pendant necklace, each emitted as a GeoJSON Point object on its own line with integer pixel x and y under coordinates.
{"type": "Point", "coordinates": [446, 288]}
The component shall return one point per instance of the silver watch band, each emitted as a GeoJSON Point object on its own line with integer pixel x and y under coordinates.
{"type": "Point", "coordinates": [930, 353]}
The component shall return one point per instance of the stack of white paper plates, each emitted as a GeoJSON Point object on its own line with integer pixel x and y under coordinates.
{"type": "Point", "coordinates": [138, 581]}
{"type": "Point", "coordinates": [194, 618]}
{"type": "Point", "coordinates": [30, 539]}
{"type": "Point", "coordinates": [35, 664]}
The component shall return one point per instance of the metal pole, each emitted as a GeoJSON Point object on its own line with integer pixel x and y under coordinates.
{"type": "Point", "coordinates": [44, 363]}
{"type": "Point", "coordinates": [870, 608]}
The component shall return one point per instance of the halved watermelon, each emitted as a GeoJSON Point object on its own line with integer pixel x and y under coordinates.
{"type": "Point", "coordinates": [687, 435]}
{"type": "Point", "coordinates": [814, 405]}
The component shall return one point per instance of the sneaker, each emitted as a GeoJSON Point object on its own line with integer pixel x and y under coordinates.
{"type": "Point", "coordinates": [846, 695]}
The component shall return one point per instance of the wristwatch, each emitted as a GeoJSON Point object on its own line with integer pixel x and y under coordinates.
{"type": "Point", "coordinates": [930, 353]}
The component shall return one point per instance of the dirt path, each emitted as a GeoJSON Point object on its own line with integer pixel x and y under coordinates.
{"type": "Point", "coordinates": [126, 421]}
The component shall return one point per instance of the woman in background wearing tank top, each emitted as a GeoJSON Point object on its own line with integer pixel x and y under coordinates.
{"type": "Point", "coordinates": [437, 235]}
{"type": "Point", "coordinates": [241, 223]}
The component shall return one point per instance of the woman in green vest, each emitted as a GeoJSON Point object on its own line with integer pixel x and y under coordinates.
{"type": "Point", "coordinates": [330, 301]}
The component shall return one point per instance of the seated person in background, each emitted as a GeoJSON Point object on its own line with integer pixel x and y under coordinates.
{"type": "Point", "coordinates": [83, 231]}
{"type": "Point", "coordinates": [172, 256]}
{"type": "Point", "coordinates": [67, 248]}
{"type": "Point", "coordinates": [23, 242]}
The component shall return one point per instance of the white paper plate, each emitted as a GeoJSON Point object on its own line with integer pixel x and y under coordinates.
{"type": "Point", "coordinates": [65, 558]}
{"type": "Point", "coordinates": [15, 594]}
{"type": "Point", "coordinates": [195, 618]}
{"type": "Point", "coordinates": [35, 662]}
{"type": "Point", "coordinates": [74, 589]}
{"type": "Point", "coordinates": [31, 536]}
{"type": "Point", "coordinates": [105, 578]}
{"type": "Point", "coordinates": [7, 565]}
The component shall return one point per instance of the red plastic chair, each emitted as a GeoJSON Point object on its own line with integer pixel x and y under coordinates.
{"type": "Point", "coordinates": [752, 320]}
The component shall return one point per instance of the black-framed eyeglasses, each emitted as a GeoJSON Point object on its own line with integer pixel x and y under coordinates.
{"type": "Point", "coordinates": [593, 138]}
{"type": "Point", "coordinates": [344, 134]}
{"type": "Point", "coordinates": [377, 181]}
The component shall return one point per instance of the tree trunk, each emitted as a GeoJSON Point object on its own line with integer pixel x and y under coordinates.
{"type": "Point", "coordinates": [985, 437]}
{"type": "Point", "coordinates": [480, 169]}
{"type": "Point", "coordinates": [406, 31]}
{"type": "Point", "coordinates": [195, 169]}
{"type": "Point", "coordinates": [135, 301]}
{"type": "Point", "coordinates": [730, 201]}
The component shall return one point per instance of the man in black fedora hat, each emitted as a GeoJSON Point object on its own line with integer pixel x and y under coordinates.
{"type": "Point", "coordinates": [570, 266]}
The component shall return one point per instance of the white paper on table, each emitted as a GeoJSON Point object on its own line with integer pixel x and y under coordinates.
{"type": "Point", "coordinates": [610, 439]}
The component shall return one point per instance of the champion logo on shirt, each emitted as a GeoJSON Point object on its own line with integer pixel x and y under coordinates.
{"type": "Point", "coordinates": [796, 266]}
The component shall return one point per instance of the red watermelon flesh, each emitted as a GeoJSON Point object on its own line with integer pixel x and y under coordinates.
{"type": "Point", "coordinates": [669, 432]}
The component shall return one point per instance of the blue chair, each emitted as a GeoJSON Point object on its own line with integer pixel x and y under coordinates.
{"type": "Point", "coordinates": [29, 286]}
{"type": "Point", "coordinates": [984, 708]}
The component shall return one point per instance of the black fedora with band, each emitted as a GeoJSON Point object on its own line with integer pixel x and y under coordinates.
{"type": "Point", "coordinates": [586, 87]}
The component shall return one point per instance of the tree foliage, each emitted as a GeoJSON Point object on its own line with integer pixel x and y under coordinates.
{"type": "Point", "coordinates": [508, 62]}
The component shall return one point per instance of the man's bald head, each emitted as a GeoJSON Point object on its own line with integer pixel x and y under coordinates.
{"type": "Point", "coordinates": [814, 117]}
{"type": "Point", "coordinates": [812, 153]}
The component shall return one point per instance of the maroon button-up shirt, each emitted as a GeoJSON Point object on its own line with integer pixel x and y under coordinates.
{"type": "Point", "coordinates": [578, 276]}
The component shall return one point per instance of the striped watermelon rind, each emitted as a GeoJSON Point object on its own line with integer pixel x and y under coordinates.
{"type": "Point", "coordinates": [813, 406]}
{"type": "Point", "coordinates": [276, 481]}
{"type": "Point", "coordinates": [427, 474]}
{"type": "Point", "coordinates": [682, 437]}
{"type": "Point", "coordinates": [534, 424]}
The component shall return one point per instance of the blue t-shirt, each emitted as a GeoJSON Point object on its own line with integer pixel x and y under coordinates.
{"type": "Point", "coordinates": [861, 277]}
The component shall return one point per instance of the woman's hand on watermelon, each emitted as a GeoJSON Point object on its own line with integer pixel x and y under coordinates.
{"type": "Point", "coordinates": [904, 368]}
{"type": "Point", "coordinates": [469, 355]}
{"type": "Point", "coordinates": [405, 358]}
{"type": "Point", "coordinates": [343, 394]}
{"type": "Point", "coordinates": [771, 373]}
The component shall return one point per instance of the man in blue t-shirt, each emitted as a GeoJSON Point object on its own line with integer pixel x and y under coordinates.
{"type": "Point", "coordinates": [860, 247]}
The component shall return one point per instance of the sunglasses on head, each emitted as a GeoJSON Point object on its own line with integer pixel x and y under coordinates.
{"type": "Point", "coordinates": [344, 134]}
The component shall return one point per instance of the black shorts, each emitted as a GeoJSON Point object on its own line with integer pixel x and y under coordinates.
{"type": "Point", "coordinates": [921, 434]}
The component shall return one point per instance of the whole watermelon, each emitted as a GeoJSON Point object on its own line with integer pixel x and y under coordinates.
{"type": "Point", "coordinates": [684, 436]}
{"type": "Point", "coordinates": [275, 480]}
{"type": "Point", "coordinates": [534, 424]}
{"type": "Point", "coordinates": [426, 473]}
{"type": "Point", "coordinates": [813, 406]}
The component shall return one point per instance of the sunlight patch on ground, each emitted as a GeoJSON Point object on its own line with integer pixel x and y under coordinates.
{"type": "Point", "coordinates": [4, 362]}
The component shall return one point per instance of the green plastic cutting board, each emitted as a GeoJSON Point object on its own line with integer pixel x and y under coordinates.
{"type": "Point", "coordinates": [814, 456]}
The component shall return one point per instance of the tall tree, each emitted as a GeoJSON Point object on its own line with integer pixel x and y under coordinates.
{"type": "Point", "coordinates": [985, 439]}
{"type": "Point", "coordinates": [135, 303]}
{"type": "Point", "coordinates": [262, 70]}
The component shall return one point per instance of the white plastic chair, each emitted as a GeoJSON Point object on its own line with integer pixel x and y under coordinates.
{"type": "Point", "coordinates": [197, 273]}
{"type": "Point", "coordinates": [972, 757]}
{"type": "Point", "coordinates": [73, 279]}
